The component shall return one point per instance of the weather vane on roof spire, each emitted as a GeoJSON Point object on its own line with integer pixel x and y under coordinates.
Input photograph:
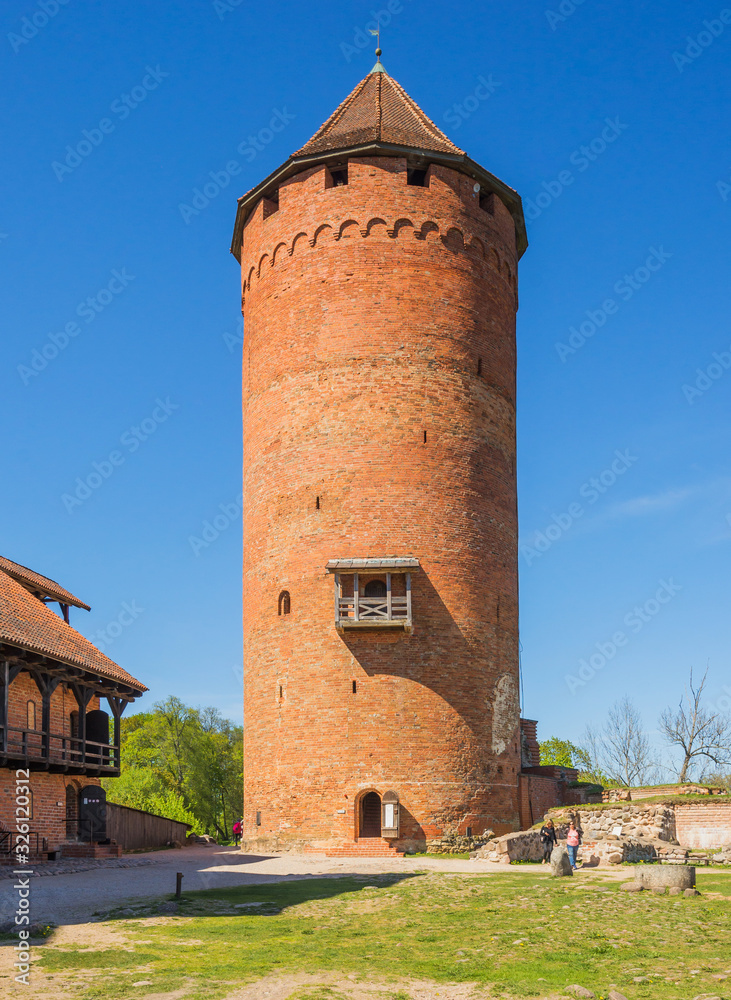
{"type": "Point", "coordinates": [378, 68]}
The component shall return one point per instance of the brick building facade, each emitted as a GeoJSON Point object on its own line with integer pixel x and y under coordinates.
{"type": "Point", "coordinates": [53, 684]}
{"type": "Point", "coordinates": [379, 290]}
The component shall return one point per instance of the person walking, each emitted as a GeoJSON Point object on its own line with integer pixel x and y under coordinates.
{"type": "Point", "coordinates": [548, 840]}
{"type": "Point", "coordinates": [237, 831]}
{"type": "Point", "coordinates": [573, 839]}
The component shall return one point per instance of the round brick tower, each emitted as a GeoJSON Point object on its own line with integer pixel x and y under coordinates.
{"type": "Point", "coordinates": [379, 290]}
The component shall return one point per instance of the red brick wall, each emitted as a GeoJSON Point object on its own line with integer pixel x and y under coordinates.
{"type": "Point", "coordinates": [367, 310]}
{"type": "Point", "coordinates": [49, 817]}
{"type": "Point", "coordinates": [703, 825]}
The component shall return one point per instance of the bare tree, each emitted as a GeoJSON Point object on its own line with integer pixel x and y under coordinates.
{"type": "Point", "coordinates": [699, 733]}
{"type": "Point", "coordinates": [620, 748]}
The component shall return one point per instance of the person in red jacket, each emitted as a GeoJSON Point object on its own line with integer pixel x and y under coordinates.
{"type": "Point", "coordinates": [237, 831]}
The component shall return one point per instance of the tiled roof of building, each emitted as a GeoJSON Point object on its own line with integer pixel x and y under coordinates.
{"type": "Point", "coordinates": [25, 621]}
{"type": "Point", "coordinates": [378, 110]}
{"type": "Point", "coordinates": [39, 583]}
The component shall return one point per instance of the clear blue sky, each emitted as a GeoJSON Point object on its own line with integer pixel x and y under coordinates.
{"type": "Point", "coordinates": [202, 78]}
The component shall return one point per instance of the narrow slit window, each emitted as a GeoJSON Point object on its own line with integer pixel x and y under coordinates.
{"type": "Point", "coordinates": [284, 604]}
{"type": "Point", "coordinates": [479, 366]}
{"type": "Point", "coordinates": [317, 503]}
{"type": "Point", "coordinates": [416, 177]}
{"type": "Point", "coordinates": [281, 692]}
{"type": "Point", "coordinates": [355, 687]}
{"type": "Point", "coordinates": [258, 819]}
{"type": "Point", "coordinates": [424, 437]}
{"type": "Point", "coordinates": [487, 203]}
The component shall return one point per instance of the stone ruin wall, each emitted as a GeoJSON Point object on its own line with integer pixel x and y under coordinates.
{"type": "Point", "coordinates": [630, 832]}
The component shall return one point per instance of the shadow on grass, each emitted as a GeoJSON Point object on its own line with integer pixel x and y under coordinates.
{"type": "Point", "coordinates": [263, 899]}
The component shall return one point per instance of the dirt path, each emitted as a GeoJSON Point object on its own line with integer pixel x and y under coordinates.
{"type": "Point", "coordinates": [75, 898]}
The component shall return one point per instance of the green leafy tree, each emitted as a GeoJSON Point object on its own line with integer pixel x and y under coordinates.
{"type": "Point", "coordinates": [184, 763]}
{"type": "Point", "coordinates": [564, 753]}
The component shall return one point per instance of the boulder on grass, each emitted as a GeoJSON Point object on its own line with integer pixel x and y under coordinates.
{"type": "Point", "coordinates": [560, 864]}
{"type": "Point", "coordinates": [632, 887]}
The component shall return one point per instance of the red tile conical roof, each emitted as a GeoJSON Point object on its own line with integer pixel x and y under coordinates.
{"type": "Point", "coordinates": [378, 110]}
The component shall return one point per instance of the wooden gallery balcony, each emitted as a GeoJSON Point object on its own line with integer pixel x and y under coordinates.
{"type": "Point", "coordinates": [373, 593]}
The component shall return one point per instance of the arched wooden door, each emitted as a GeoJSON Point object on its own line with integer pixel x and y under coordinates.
{"type": "Point", "coordinates": [370, 815]}
{"type": "Point", "coordinates": [92, 814]}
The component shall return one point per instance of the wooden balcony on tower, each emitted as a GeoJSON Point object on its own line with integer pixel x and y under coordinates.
{"type": "Point", "coordinates": [373, 593]}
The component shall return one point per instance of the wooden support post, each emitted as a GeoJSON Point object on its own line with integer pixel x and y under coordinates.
{"type": "Point", "coordinates": [389, 615]}
{"type": "Point", "coordinates": [408, 598]}
{"type": "Point", "coordinates": [117, 706]}
{"type": "Point", "coordinates": [337, 598]}
{"type": "Point", "coordinates": [356, 596]}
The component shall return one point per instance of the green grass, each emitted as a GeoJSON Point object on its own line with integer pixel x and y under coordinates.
{"type": "Point", "coordinates": [526, 935]}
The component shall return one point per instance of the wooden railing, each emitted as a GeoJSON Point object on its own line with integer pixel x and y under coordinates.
{"type": "Point", "coordinates": [36, 745]}
{"type": "Point", "coordinates": [373, 608]}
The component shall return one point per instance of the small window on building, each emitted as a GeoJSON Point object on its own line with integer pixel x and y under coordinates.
{"type": "Point", "coordinates": [375, 588]}
{"type": "Point", "coordinates": [31, 720]}
{"type": "Point", "coordinates": [284, 603]}
{"type": "Point", "coordinates": [337, 177]}
{"type": "Point", "coordinates": [317, 503]}
{"type": "Point", "coordinates": [355, 686]}
{"type": "Point", "coordinates": [424, 437]}
{"type": "Point", "coordinates": [281, 692]}
{"type": "Point", "coordinates": [479, 366]}
{"type": "Point", "coordinates": [416, 177]}
{"type": "Point", "coordinates": [258, 819]}
{"type": "Point", "coordinates": [469, 831]}
{"type": "Point", "coordinates": [487, 203]}
{"type": "Point", "coordinates": [271, 203]}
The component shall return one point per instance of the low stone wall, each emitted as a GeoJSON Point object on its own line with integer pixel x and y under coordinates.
{"type": "Point", "coordinates": [455, 843]}
{"type": "Point", "coordinates": [522, 846]}
{"type": "Point", "coordinates": [643, 822]}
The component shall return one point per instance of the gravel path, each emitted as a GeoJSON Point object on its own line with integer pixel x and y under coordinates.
{"type": "Point", "coordinates": [75, 897]}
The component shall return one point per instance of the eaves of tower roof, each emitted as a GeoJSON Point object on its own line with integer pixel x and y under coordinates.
{"type": "Point", "coordinates": [378, 118]}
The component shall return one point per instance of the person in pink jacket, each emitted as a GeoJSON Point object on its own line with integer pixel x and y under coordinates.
{"type": "Point", "coordinates": [573, 839]}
